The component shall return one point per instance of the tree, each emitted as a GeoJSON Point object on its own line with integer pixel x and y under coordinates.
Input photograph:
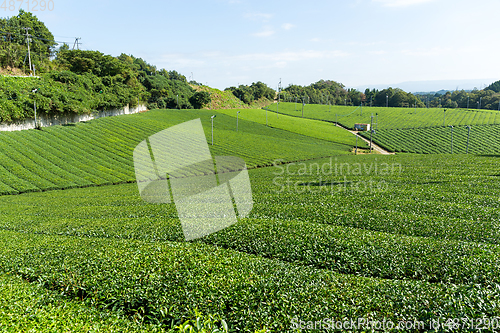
{"type": "Point", "coordinates": [199, 99]}
{"type": "Point", "coordinates": [42, 43]}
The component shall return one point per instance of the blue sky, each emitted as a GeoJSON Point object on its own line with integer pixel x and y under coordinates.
{"type": "Point", "coordinates": [229, 42]}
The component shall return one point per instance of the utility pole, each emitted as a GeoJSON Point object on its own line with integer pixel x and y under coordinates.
{"type": "Point", "coordinates": [77, 44]}
{"type": "Point", "coordinates": [29, 53]}
{"type": "Point", "coordinates": [277, 107]}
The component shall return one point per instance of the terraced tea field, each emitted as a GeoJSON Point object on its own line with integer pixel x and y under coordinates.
{"type": "Point", "coordinates": [391, 118]}
{"type": "Point", "coordinates": [410, 239]}
{"type": "Point", "coordinates": [100, 152]}
{"type": "Point", "coordinates": [482, 139]}
{"type": "Point", "coordinates": [410, 130]}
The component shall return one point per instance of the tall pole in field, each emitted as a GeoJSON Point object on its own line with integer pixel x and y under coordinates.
{"type": "Point", "coordinates": [451, 138]}
{"type": "Point", "coordinates": [279, 89]}
{"type": "Point", "coordinates": [444, 117]}
{"type": "Point", "coordinates": [371, 131]}
{"type": "Point", "coordinates": [303, 108]}
{"type": "Point", "coordinates": [386, 101]}
{"type": "Point", "coordinates": [237, 113]}
{"type": "Point", "coordinates": [356, 151]}
{"type": "Point", "coordinates": [468, 134]}
{"type": "Point", "coordinates": [213, 128]}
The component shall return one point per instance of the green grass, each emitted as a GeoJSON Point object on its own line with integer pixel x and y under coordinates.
{"type": "Point", "coordinates": [426, 245]}
{"type": "Point", "coordinates": [99, 152]}
{"type": "Point", "coordinates": [483, 139]}
{"type": "Point", "coordinates": [391, 118]}
{"type": "Point", "coordinates": [308, 127]}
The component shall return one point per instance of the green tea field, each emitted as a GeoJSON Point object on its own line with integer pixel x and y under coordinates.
{"type": "Point", "coordinates": [407, 239]}
{"type": "Point", "coordinates": [409, 130]}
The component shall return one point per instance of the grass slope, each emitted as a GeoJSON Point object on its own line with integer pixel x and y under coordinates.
{"type": "Point", "coordinates": [99, 152]}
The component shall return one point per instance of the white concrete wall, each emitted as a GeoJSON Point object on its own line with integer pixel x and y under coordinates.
{"type": "Point", "coordinates": [44, 120]}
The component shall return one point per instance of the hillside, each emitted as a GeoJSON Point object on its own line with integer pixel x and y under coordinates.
{"type": "Point", "coordinates": [99, 152]}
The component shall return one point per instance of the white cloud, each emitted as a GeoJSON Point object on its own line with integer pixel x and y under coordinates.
{"type": "Point", "coordinates": [268, 31]}
{"type": "Point", "coordinates": [315, 39]}
{"type": "Point", "coordinates": [400, 3]}
{"type": "Point", "coordinates": [287, 26]}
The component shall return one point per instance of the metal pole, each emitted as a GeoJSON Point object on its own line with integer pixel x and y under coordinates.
{"type": "Point", "coordinates": [468, 134]}
{"type": "Point", "coordinates": [237, 113]}
{"type": "Point", "coordinates": [444, 118]}
{"type": "Point", "coordinates": [34, 106]}
{"type": "Point", "coordinates": [303, 108]}
{"type": "Point", "coordinates": [371, 131]}
{"type": "Point", "coordinates": [356, 151]}
{"type": "Point", "coordinates": [213, 128]}
{"type": "Point", "coordinates": [451, 139]}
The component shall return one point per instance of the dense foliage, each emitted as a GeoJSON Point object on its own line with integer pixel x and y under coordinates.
{"type": "Point", "coordinates": [13, 42]}
{"type": "Point", "coordinates": [256, 91]}
{"type": "Point", "coordinates": [488, 99]}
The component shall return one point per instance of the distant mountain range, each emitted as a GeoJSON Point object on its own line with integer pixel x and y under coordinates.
{"type": "Point", "coordinates": [420, 87]}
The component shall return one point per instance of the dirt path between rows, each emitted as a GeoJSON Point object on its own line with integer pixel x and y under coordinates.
{"type": "Point", "coordinates": [375, 147]}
